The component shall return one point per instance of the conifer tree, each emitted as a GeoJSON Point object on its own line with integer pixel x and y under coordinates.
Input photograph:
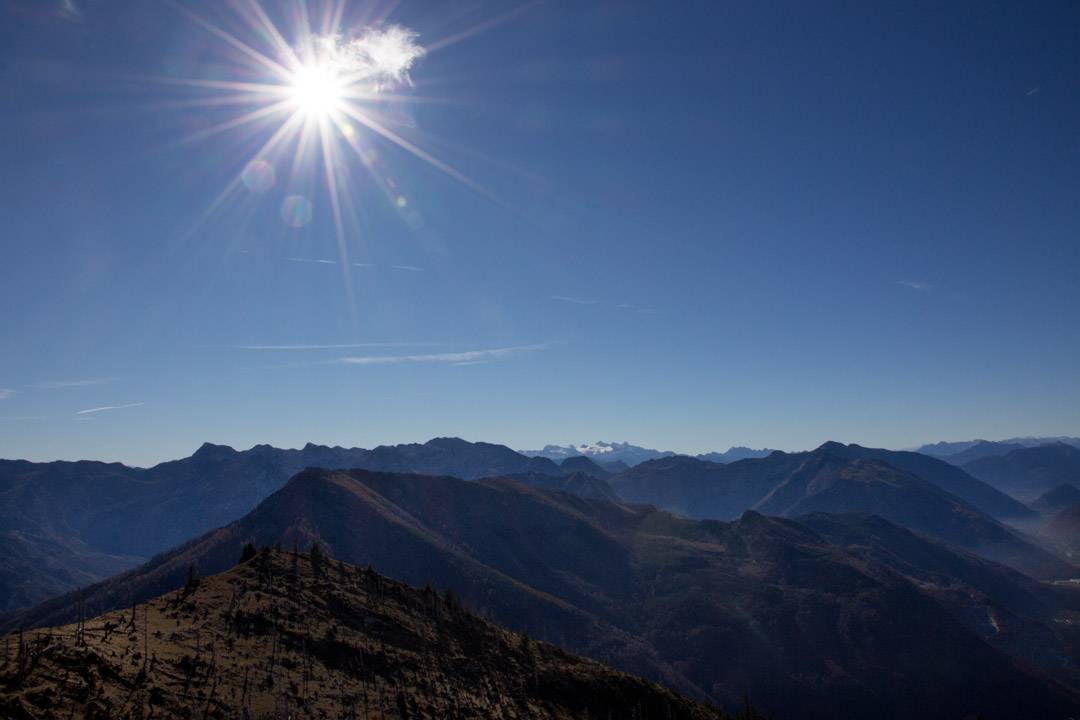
{"type": "Point", "coordinates": [248, 552]}
{"type": "Point", "coordinates": [192, 580]}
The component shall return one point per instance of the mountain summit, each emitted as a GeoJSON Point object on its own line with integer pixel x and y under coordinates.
{"type": "Point", "coordinates": [305, 636]}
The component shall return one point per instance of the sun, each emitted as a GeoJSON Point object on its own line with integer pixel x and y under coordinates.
{"type": "Point", "coordinates": [317, 91]}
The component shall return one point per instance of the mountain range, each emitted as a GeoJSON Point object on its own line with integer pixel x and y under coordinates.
{"type": "Point", "coordinates": [820, 616]}
{"type": "Point", "coordinates": [917, 491]}
{"type": "Point", "coordinates": [1029, 472]}
{"type": "Point", "coordinates": [965, 451]}
{"type": "Point", "coordinates": [66, 524]}
{"type": "Point", "coordinates": [305, 636]}
{"type": "Point", "coordinates": [607, 453]}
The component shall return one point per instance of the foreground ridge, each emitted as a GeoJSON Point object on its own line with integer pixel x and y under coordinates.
{"type": "Point", "coordinates": [303, 636]}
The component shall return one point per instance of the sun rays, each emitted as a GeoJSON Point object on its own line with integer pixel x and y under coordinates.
{"type": "Point", "coordinates": [312, 96]}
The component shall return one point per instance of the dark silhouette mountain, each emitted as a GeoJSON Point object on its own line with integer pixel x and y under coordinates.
{"type": "Point", "coordinates": [833, 478]}
{"type": "Point", "coordinates": [947, 477]}
{"type": "Point", "coordinates": [734, 454]}
{"type": "Point", "coordinates": [576, 483]}
{"type": "Point", "coordinates": [582, 464]}
{"type": "Point", "coordinates": [1004, 607]}
{"type": "Point", "coordinates": [1029, 472]}
{"type": "Point", "coordinates": [1054, 501]}
{"type": "Point", "coordinates": [34, 567]}
{"type": "Point", "coordinates": [1063, 531]}
{"type": "Point", "coordinates": [981, 449]}
{"type": "Point", "coordinates": [614, 466]}
{"type": "Point", "coordinates": [65, 524]}
{"type": "Point", "coordinates": [949, 450]}
{"type": "Point", "coordinates": [747, 481]}
{"type": "Point", "coordinates": [761, 605]}
{"type": "Point", "coordinates": [311, 637]}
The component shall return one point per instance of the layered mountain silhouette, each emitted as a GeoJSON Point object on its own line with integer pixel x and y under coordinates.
{"type": "Point", "coordinates": [583, 464]}
{"type": "Point", "coordinates": [69, 523]}
{"type": "Point", "coordinates": [629, 455]}
{"type": "Point", "coordinates": [974, 450]}
{"type": "Point", "coordinates": [968, 450]}
{"type": "Point", "coordinates": [1057, 499]}
{"type": "Point", "coordinates": [734, 454]}
{"type": "Point", "coordinates": [1027, 473]}
{"type": "Point", "coordinates": [748, 481]}
{"type": "Point", "coordinates": [304, 636]}
{"type": "Point", "coordinates": [840, 479]}
{"type": "Point", "coordinates": [858, 626]}
{"type": "Point", "coordinates": [577, 483]}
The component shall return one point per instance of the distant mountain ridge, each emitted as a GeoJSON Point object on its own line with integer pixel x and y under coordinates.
{"type": "Point", "coordinates": [64, 524]}
{"type": "Point", "coordinates": [965, 451]}
{"type": "Point", "coordinates": [605, 452]}
{"type": "Point", "coordinates": [1029, 472]}
{"type": "Point", "coordinates": [809, 627]}
{"type": "Point", "coordinates": [1057, 499]}
{"type": "Point", "coordinates": [914, 490]}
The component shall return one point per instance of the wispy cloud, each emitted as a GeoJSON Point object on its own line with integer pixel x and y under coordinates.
{"type": "Point", "coordinates": [451, 358]}
{"type": "Point", "coordinates": [317, 261]}
{"type": "Point", "coordinates": [323, 261]}
{"type": "Point", "coordinates": [341, 346]}
{"type": "Point", "coordinates": [6, 393]}
{"type": "Point", "coordinates": [1031, 92]}
{"type": "Point", "coordinates": [91, 411]}
{"type": "Point", "coordinates": [69, 10]}
{"type": "Point", "coordinates": [60, 384]}
{"type": "Point", "coordinates": [576, 300]}
{"type": "Point", "coordinates": [594, 301]}
{"type": "Point", "coordinates": [913, 284]}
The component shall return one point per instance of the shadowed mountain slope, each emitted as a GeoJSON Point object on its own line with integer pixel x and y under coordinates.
{"type": "Point", "coordinates": [981, 449]}
{"type": "Point", "coordinates": [762, 605]}
{"type": "Point", "coordinates": [1029, 472]}
{"type": "Point", "coordinates": [833, 478]}
{"type": "Point", "coordinates": [309, 637]}
{"type": "Point", "coordinates": [576, 483]}
{"type": "Point", "coordinates": [1055, 500]}
{"type": "Point", "coordinates": [986, 448]}
{"type": "Point", "coordinates": [948, 477]}
{"type": "Point", "coordinates": [582, 464]}
{"type": "Point", "coordinates": [83, 521]}
{"type": "Point", "coordinates": [739, 485]}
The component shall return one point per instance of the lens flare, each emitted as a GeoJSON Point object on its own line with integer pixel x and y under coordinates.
{"type": "Point", "coordinates": [258, 176]}
{"type": "Point", "coordinates": [296, 211]}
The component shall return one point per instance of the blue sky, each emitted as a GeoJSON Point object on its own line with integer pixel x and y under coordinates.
{"type": "Point", "coordinates": [689, 225]}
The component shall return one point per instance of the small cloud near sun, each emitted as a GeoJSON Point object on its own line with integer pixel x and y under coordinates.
{"type": "Point", "coordinates": [381, 54]}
